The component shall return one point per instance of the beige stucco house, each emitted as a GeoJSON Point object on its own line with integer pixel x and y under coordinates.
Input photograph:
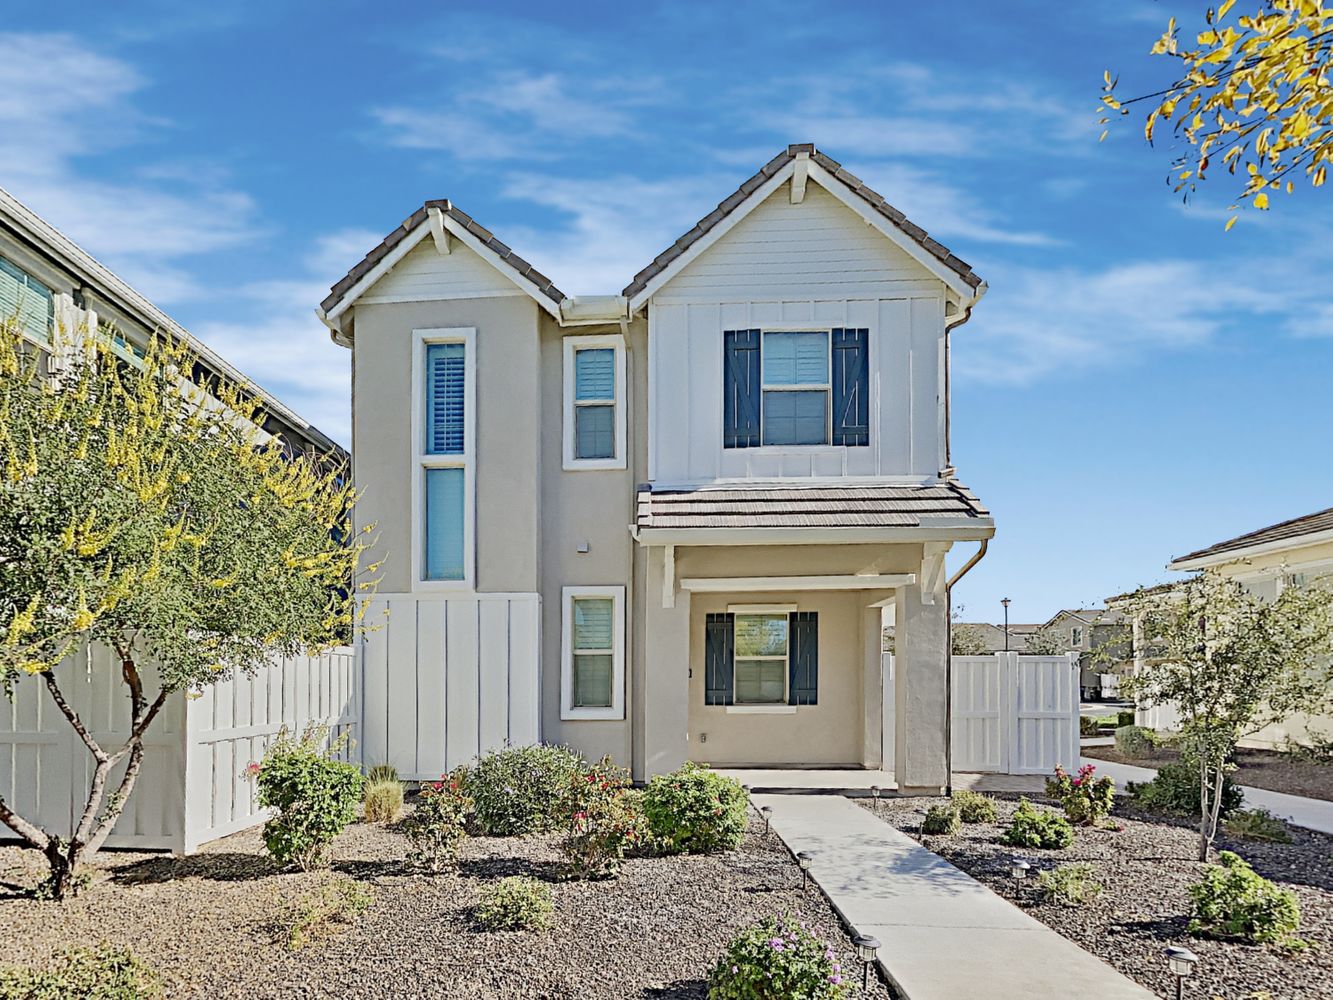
{"type": "Point", "coordinates": [671, 523]}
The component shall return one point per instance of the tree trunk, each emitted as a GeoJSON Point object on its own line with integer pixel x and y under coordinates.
{"type": "Point", "coordinates": [1205, 807]}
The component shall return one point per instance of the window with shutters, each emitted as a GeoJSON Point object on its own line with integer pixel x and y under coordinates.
{"type": "Point", "coordinates": [785, 388]}
{"type": "Point", "coordinates": [26, 301]}
{"type": "Point", "coordinates": [592, 674]}
{"type": "Point", "coordinates": [444, 431]}
{"type": "Point", "coordinates": [760, 657]}
{"type": "Point", "coordinates": [594, 430]}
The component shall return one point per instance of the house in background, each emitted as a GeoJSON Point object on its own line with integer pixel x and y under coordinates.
{"type": "Point", "coordinates": [1093, 633]}
{"type": "Point", "coordinates": [666, 524]}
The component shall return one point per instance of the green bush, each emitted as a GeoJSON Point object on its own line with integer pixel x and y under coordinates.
{"type": "Point", "coordinates": [516, 903]}
{"type": "Point", "coordinates": [439, 822]}
{"type": "Point", "coordinates": [606, 819]}
{"type": "Point", "coordinates": [774, 960]}
{"type": "Point", "coordinates": [1257, 824]}
{"type": "Point", "coordinates": [1033, 827]}
{"type": "Point", "coordinates": [1125, 718]}
{"type": "Point", "coordinates": [693, 810]}
{"type": "Point", "coordinates": [1175, 789]}
{"type": "Point", "coordinates": [382, 772]}
{"type": "Point", "coordinates": [1070, 885]}
{"type": "Point", "coordinates": [101, 973]}
{"type": "Point", "coordinates": [1135, 741]}
{"type": "Point", "coordinates": [973, 807]}
{"type": "Point", "coordinates": [1088, 725]}
{"type": "Point", "coordinates": [334, 905]}
{"type": "Point", "coordinates": [383, 800]}
{"type": "Point", "coordinates": [1233, 900]}
{"type": "Point", "coordinates": [521, 790]}
{"type": "Point", "coordinates": [316, 796]}
{"type": "Point", "coordinates": [941, 820]}
{"type": "Point", "coordinates": [1085, 798]}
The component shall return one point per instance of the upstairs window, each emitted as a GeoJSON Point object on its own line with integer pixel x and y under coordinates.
{"type": "Point", "coordinates": [444, 466]}
{"type": "Point", "coordinates": [796, 388]}
{"type": "Point", "coordinates": [594, 431]}
{"type": "Point", "coordinates": [1076, 635]}
{"type": "Point", "coordinates": [26, 300]}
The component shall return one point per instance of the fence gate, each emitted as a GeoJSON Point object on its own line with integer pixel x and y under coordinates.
{"type": "Point", "coordinates": [1015, 714]}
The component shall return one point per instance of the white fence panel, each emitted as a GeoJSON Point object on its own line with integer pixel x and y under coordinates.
{"type": "Point", "coordinates": [981, 697]}
{"type": "Point", "coordinates": [1014, 714]}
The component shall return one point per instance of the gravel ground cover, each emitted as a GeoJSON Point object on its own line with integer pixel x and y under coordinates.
{"type": "Point", "coordinates": [1145, 870]}
{"type": "Point", "coordinates": [1267, 769]}
{"type": "Point", "coordinates": [210, 923]}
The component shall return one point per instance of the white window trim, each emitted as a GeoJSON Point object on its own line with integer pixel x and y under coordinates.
{"type": "Point", "coordinates": [618, 460]}
{"type": "Point", "coordinates": [567, 597]}
{"type": "Point", "coordinates": [763, 707]}
{"type": "Point", "coordinates": [467, 336]}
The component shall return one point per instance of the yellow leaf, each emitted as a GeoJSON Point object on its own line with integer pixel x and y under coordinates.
{"type": "Point", "coordinates": [1105, 133]}
{"type": "Point", "coordinates": [1230, 222]}
{"type": "Point", "coordinates": [1261, 200]}
{"type": "Point", "coordinates": [1222, 11]}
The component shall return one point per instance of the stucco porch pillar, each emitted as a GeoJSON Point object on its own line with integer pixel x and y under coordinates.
{"type": "Point", "coordinates": [666, 680]}
{"type": "Point", "coordinates": [921, 693]}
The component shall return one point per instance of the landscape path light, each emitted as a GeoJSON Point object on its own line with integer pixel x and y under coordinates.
{"type": "Point", "coordinates": [767, 812]}
{"type": "Point", "coordinates": [866, 947]}
{"type": "Point", "coordinates": [803, 859]}
{"type": "Point", "coordinates": [1019, 869]}
{"type": "Point", "coordinates": [874, 794]}
{"type": "Point", "coordinates": [1181, 962]}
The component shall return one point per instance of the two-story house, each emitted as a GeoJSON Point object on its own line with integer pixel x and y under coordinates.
{"type": "Point", "coordinates": [667, 524]}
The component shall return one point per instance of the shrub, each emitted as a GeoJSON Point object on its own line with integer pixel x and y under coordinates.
{"type": "Point", "coordinates": [1175, 789]}
{"type": "Point", "coordinates": [777, 958]}
{"type": "Point", "coordinates": [382, 772]}
{"type": "Point", "coordinates": [439, 822]}
{"type": "Point", "coordinates": [973, 807]}
{"type": "Point", "coordinates": [693, 810]}
{"type": "Point", "coordinates": [330, 907]}
{"type": "Point", "coordinates": [1233, 900]}
{"type": "Point", "coordinates": [1134, 741]}
{"type": "Point", "coordinates": [1071, 885]}
{"type": "Point", "coordinates": [516, 903]}
{"type": "Point", "coordinates": [606, 820]}
{"type": "Point", "coordinates": [1085, 798]}
{"type": "Point", "coordinates": [1088, 725]}
{"type": "Point", "coordinates": [315, 795]}
{"type": "Point", "coordinates": [1033, 827]}
{"type": "Point", "coordinates": [1125, 718]}
{"type": "Point", "coordinates": [941, 819]}
{"type": "Point", "coordinates": [1257, 824]}
{"type": "Point", "coordinates": [101, 973]}
{"type": "Point", "coordinates": [383, 800]}
{"type": "Point", "coordinates": [521, 790]}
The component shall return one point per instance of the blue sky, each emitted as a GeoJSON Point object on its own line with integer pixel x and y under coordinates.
{"type": "Point", "coordinates": [1136, 384]}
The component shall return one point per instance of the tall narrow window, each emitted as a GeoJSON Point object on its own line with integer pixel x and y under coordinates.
{"type": "Point", "coordinates": [27, 301]}
{"type": "Point", "coordinates": [594, 433]}
{"type": "Point", "coordinates": [444, 449]}
{"type": "Point", "coordinates": [593, 653]}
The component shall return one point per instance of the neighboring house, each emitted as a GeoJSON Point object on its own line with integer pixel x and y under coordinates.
{"type": "Point", "coordinates": [667, 524]}
{"type": "Point", "coordinates": [1295, 553]}
{"type": "Point", "coordinates": [59, 293]}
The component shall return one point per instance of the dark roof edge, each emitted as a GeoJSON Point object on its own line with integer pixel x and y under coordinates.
{"type": "Point", "coordinates": [1241, 542]}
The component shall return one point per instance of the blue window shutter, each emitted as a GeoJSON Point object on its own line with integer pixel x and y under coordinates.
{"type": "Point", "coordinates": [445, 398]}
{"type": "Point", "coordinates": [719, 659]}
{"type": "Point", "coordinates": [851, 387]}
{"type": "Point", "coordinates": [741, 387]}
{"type": "Point", "coordinates": [803, 659]}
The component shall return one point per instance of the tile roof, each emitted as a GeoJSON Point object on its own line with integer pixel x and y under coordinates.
{"type": "Point", "coordinates": [1297, 527]}
{"type": "Point", "coordinates": [520, 266]}
{"type": "Point", "coordinates": [772, 505]}
{"type": "Point", "coordinates": [858, 187]}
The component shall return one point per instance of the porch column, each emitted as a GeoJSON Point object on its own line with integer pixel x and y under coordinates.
{"type": "Point", "coordinates": [921, 693]}
{"type": "Point", "coordinates": [666, 683]}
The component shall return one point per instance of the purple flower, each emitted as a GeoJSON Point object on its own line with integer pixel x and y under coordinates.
{"type": "Point", "coordinates": [735, 969]}
{"type": "Point", "coordinates": [828, 954]}
{"type": "Point", "coordinates": [835, 980]}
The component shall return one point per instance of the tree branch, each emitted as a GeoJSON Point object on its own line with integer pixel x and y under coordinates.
{"type": "Point", "coordinates": [30, 833]}
{"type": "Point", "coordinates": [68, 712]}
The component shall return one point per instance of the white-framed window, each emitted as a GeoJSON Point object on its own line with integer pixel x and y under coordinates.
{"type": "Point", "coordinates": [444, 466]}
{"type": "Point", "coordinates": [592, 657]}
{"type": "Point", "coordinates": [797, 387]}
{"type": "Point", "coordinates": [761, 654]}
{"type": "Point", "coordinates": [594, 430]}
{"type": "Point", "coordinates": [27, 301]}
{"type": "Point", "coordinates": [1076, 635]}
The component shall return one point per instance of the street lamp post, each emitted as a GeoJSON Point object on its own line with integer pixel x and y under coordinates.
{"type": "Point", "coordinates": [1005, 602]}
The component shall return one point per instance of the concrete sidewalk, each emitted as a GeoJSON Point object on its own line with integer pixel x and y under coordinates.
{"type": "Point", "coordinates": [944, 935]}
{"type": "Point", "coordinates": [1313, 814]}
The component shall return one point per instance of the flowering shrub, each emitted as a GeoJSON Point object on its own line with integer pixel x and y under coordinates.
{"type": "Point", "coordinates": [516, 903]}
{"type": "Point", "coordinates": [316, 796]}
{"type": "Point", "coordinates": [101, 973]}
{"type": "Point", "coordinates": [1033, 827]}
{"type": "Point", "coordinates": [521, 790]}
{"type": "Point", "coordinates": [1233, 900]}
{"type": "Point", "coordinates": [606, 819]}
{"type": "Point", "coordinates": [692, 810]}
{"type": "Point", "coordinates": [439, 821]}
{"type": "Point", "coordinates": [774, 959]}
{"type": "Point", "coordinates": [1086, 799]}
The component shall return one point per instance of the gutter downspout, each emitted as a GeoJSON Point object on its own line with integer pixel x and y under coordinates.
{"type": "Point", "coordinates": [948, 635]}
{"type": "Point", "coordinates": [949, 324]}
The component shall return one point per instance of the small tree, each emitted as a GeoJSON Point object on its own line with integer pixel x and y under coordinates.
{"type": "Point", "coordinates": [1231, 664]}
{"type": "Point", "coordinates": [141, 513]}
{"type": "Point", "coordinates": [1046, 642]}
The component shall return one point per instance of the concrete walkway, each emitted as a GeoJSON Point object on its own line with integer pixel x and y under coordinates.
{"type": "Point", "coordinates": [1313, 814]}
{"type": "Point", "coordinates": [944, 935]}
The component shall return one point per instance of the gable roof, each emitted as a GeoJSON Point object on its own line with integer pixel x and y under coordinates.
{"type": "Point", "coordinates": [729, 206]}
{"type": "Point", "coordinates": [1274, 535]}
{"type": "Point", "coordinates": [414, 229]}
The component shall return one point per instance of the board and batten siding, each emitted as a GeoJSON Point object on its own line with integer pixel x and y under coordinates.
{"type": "Point", "coordinates": [813, 265]}
{"type": "Point", "coordinates": [424, 275]}
{"type": "Point", "coordinates": [447, 678]}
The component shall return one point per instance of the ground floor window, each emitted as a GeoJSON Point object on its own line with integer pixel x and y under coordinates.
{"type": "Point", "coordinates": [592, 676]}
{"type": "Point", "coordinates": [761, 659]}
{"type": "Point", "coordinates": [761, 655]}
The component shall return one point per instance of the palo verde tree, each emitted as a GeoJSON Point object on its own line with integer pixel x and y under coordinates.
{"type": "Point", "coordinates": [1230, 663]}
{"type": "Point", "coordinates": [1253, 98]}
{"type": "Point", "coordinates": [139, 512]}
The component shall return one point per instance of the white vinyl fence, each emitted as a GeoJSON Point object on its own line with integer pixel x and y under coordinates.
{"type": "Point", "coordinates": [191, 788]}
{"type": "Point", "coordinates": [1015, 714]}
